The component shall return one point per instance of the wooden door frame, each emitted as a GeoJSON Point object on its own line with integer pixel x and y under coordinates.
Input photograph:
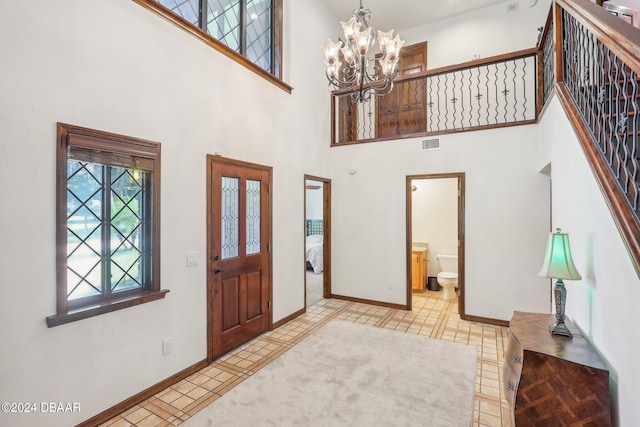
{"type": "Point", "coordinates": [326, 250]}
{"type": "Point", "coordinates": [211, 161]}
{"type": "Point", "coordinates": [461, 235]}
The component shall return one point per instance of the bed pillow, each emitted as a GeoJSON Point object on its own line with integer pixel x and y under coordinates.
{"type": "Point", "coordinates": [315, 239]}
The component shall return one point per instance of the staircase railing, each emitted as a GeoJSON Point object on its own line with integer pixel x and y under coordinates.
{"type": "Point", "coordinates": [598, 74]}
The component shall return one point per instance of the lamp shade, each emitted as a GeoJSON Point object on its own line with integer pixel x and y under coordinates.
{"type": "Point", "coordinates": [558, 263]}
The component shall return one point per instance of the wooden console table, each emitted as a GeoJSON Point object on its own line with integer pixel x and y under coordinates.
{"type": "Point", "coordinates": [553, 380]}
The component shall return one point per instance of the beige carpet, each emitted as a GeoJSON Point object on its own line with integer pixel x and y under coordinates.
{"type": "Point", "coordinates": [348, 374]}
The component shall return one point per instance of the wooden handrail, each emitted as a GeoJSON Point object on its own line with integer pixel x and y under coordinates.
{"type": "Point", "coordinates": [620, 211]}
{"type": "Point", "coordinates": [624, 41]}
{"type": "Point", "coordinates": [620, 37]}
{"type": "Point", "coordinates": [525, 53]}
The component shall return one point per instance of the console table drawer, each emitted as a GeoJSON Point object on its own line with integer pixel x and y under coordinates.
{"type": "Point", "coordinates": [512, 369]}
{"type": "Point", "coordinates": [553, 380]}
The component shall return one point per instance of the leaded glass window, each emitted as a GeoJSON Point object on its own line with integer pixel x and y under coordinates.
{"type": "Point", "coordinates": [230, 204]}
{"type": "Point", "coordinates": [253, 217]}
{"type": "Point", "coordinates": [245, 26]}
{"type": "Point", "coordinates": [105, 229]}
{"type": "Point", "coordinates": [107, 222]}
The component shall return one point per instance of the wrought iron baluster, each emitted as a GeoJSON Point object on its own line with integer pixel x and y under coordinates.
{"type": "Point", "coordinates": [439, 103]}
{"type": "Point", "coordinates": [429, 112]}
{"type": "Point", "coordinates": [495, 75]}
{"type": "Point", "coordinates": [634, 142]}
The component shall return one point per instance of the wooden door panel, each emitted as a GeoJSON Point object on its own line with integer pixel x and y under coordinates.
{"type": "Point", "coordinates": [254, 295]}
{"type": "Point", "coordinates": [231, 303]}
{"type": "Point", "coordinates": [403, 111]}
{"type": "Point", "coordinates": [238, 288]}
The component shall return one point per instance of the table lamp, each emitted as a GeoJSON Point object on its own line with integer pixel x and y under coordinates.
{"type": "Point", "coordinates": [558, 264]}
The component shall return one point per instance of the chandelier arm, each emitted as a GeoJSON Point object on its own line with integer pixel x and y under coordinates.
{"type": "Point", "coordinates": [362, 74]}
{"type": "Point", "coordinates": [349, 75]}
{"type": "Point", "coordinates": [371, 78]}
{"type": "Point", "coordinates": [385, 90]}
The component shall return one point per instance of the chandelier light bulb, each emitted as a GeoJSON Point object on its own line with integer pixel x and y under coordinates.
{"type": "Point", "coordinates": [363, 41]}
{"type": "Point", "coordinates": [331, 50]}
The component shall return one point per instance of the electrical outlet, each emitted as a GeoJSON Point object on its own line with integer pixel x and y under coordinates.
{"type": "Point", "coordinates": [166, 346]}
{"type": "Point", "coordinates": [389, 285]}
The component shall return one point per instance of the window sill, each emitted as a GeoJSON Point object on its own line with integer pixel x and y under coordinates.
{"type": "Point", "coordinates": [105, 307]}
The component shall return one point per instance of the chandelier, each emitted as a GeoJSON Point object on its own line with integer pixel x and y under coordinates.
{"type": "Point", "coordinates": [355, 63]}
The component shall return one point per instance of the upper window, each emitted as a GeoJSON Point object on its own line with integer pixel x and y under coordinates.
{"type": "Point", "coordinates": [108, 223]}
{"type": "Point", "coordinates": [250, 29]}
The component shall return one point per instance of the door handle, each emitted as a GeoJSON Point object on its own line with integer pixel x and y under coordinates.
{"type": "Point", "coordinates": [216, 271]}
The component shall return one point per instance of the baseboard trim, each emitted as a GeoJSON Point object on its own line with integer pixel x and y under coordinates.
{"type": "Point", "coordinates": [288, 318]}
{"type": "Point", "coordinates": [143, 395]}
{"type": "Point", "coordinates": [371, 302]}
{"type": "Point", "coordinates": [488, 320]}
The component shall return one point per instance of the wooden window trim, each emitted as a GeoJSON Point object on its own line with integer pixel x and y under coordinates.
{"type": "Point", "coordinates": [110, 143]}
{"type": "Point", "coordinates": [156, 7]}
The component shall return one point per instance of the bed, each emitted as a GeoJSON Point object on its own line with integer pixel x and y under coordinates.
{"type": "Point", "coordinates": [315, 245]}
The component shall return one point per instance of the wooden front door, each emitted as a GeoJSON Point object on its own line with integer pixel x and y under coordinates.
{"type": "Point", "coordinates": [239, 261]}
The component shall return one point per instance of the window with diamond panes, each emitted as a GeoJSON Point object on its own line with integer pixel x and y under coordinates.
{"type": "Point", "coordinates": [108, 222]}
{"type": "Point", "coordinates": [105, 230]}
{"type": "Point", "coordinates": [245, 26]}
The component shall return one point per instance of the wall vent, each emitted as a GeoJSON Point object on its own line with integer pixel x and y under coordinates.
{"type": "Point", "coordinates": [431, 144]}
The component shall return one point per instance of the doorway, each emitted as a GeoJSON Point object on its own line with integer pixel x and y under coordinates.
{"type": "Point", "coordinates": [432, 202]}
{"type": "Point", "coordinates": [238, 253]}
{"type": "Point", "coordinates": [317, 232]}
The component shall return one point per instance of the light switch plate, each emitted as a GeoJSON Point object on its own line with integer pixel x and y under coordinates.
{"type": "Point", "coordinates": [192, 259]}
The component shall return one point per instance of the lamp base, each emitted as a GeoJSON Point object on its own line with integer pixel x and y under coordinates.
{"type": "Point", "coordinates": [560, 295]}
{"type": "Point", "coordinates": [559, 328]}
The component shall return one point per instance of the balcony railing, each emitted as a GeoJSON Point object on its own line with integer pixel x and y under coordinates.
{"type": "Point", "coordinates": [493, 92]}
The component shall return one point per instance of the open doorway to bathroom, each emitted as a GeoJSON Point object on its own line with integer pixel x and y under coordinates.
{"type": "Point", "coordinates": [435, 229]}
{"type": "Point", "coordinates": [317, 246]}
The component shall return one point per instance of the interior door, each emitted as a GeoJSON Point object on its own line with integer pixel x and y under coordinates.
{"type": "Point", "coordinates": [239, 278]}
{"type": "Point", "coordinates": [403, 111]}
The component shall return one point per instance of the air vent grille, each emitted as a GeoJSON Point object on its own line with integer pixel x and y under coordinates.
{"type": "Point", "coordinates": [431, 144]}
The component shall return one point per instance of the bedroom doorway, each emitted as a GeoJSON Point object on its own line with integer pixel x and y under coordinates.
{"type": "Point", "coordinates": [435, 228]}
{"type": "Point", "coordinates": [317, 243]}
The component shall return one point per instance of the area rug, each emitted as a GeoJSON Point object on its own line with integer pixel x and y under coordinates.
{"type": "Point", "coordinates": [348, 374]}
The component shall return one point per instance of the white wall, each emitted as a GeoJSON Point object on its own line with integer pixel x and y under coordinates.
{"type": "Point", "coordinates": [114, 66]}
{"type": "Point", "coordinates": [434, 206]}
{"type": "Point", "coordinates": [315, 201]}
{"type": "Point", "coordinates": [485, 32]}
{"type": "Point", "coordinates": [604, 304]}
{"type": "Point", "coordinates": [506, 216]}
{"type": "Point", "coordinates": [507, 199]}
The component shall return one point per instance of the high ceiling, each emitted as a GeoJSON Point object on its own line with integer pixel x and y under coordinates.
{"type": "Point", "coordinates": [403, 14]}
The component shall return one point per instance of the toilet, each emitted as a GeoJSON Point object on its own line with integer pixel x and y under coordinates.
{"type": "Point", "coordinates": [448, 276]}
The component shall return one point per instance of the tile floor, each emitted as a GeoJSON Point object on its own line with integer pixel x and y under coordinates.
{"type": "Point", "coordinates": [431, 316]}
